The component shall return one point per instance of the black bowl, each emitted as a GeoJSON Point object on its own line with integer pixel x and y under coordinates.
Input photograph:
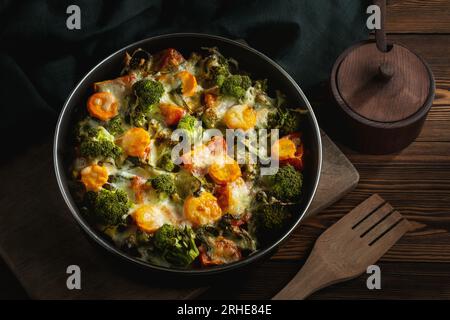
{"type": "Point", "coordinates": [251, 61]}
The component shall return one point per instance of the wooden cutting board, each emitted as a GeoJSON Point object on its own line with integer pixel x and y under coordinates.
{"type": "Point", "coordinates": [39, 238]}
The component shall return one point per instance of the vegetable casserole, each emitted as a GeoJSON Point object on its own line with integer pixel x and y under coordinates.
{"type": "Point", "coordinates": [210, 205]}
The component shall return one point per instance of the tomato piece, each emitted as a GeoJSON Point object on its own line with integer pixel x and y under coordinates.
{"type": "Point", "coordinates": [217, 145]}
{"type": "Point", "coordinates": [168, 59]}
{"type": "Point", "coordinates": [283, 149]}
{"type": "Point", "coordinates": [103, 106]}
{"type": "Point", "coordinates": [188, 83]}
{"type": "Point", "coordinates": [234, 198]}
{"type": "Point", "coordinates": [210, 100]}
{"type": "Point", "coordinates": [171, 113]}
{"type": "Point", "coordinates": [240, 116]}
{"type": "Point", "coordinates": [288, 155]}
{"type": "Point", "coordinates": [224, 171]}
{"type": "Point", "coordinates": [139, 187]}
{"type": "Point", "coordinates": [135, 142]}
{"type": "Point", "coordinates": [202, 210]}
{"type": "Point", "coordinates": [223, 251]}
{"type": "Point", "coordinates": [94, 177]}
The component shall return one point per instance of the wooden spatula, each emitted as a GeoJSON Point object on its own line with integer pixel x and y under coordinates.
{"type": "Point", "coordinates": [347, 248]}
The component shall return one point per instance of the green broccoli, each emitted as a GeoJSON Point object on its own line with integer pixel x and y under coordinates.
{"type": "Point", "coordinates": [285, 120]}
{"type": "Point", "coordinates": [210, 118]}
{"type": "Point", "coordinates": [261, 85]}
{"type": "Point", "coordinates": [114, 126]}
{"type": "Point", "coordinates": [86, 129]}
{"type": "Point", "coordinates": [191, 127]}
{"type": "Point", "coordinates": [148, 91]}
{"type": "Point", "coordinates": [100, 145]}
{"type": "Point", "coordinates": [177, 245]}
{"type": "Point", "coordinates": [139, 114]}
{"type": "Point", "coordinates": [270, 219]}
{"type": "Point", "coordinates": [286, 184]}
{"type": "Point", "coordinates": [219, 74]}
{"type": "Point", "coordinates": [164, 183]}
{"type": "Point", "coordinates": [236, 85]}
{"type": "Point", "coordinates": [217, 68]}
{"type": "Point", "coordinates": [165, 162]}
{"type": "Point", "coordinates": [107, 207]}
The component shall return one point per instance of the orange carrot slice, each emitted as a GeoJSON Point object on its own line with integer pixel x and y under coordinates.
{"type": "Point", "coordinates": [103, 106]}
{"type": "Point", "coordinates": [240, 116]}
{"type": "Point", "coordinates": [94, 177]}
{"type": "Point", "coordinates": [135, 142]}
{"type": "Point", "coordinates": [202, 210]}
{"type": "Point", "coordinates": [226, 171]}
{"type": "Point", "coordinates": [188, 83]}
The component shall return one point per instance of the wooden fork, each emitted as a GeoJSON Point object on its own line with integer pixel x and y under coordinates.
{"type": "Point", "coordinates": [347, 248]}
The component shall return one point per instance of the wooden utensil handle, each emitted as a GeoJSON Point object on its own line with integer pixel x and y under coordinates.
{"type": "Point", "coordinates": [315, 274]}
{"type": "Point", "coordinates": [380, 34]}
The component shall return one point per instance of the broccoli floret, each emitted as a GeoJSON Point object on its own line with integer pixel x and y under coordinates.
{"type": "Point", "coordinates": [236, 85]}
{"type": "Point", "coordinates": [219, 74]}
{"type": "Point", "coordinates": [148, 91]}
{"type": "Point", "coordinates": [210, 118]}
{"type": "Point", "coordinates": [261, 85]}
{"type": "Point", "coordinates": [191, 127]}
{"type": "Point", "coordinates": [114, 126]}
{"type": "Point", "coordinates": [165, 162]}
{"type": "Point", "coordinates": [101, 145]}
{"type": "Point", "coordinates": [139, 115]}
{"type": "Point", "coordinates": [164, 183]}
{"type": "Point", "coordinates": [107, 206]}
{"type": "Point", "coordinates": [286, 184]}
{"type": "Point", "coordinates": [176, 244]}
{"type": "Point", "coordinates": [270, 219]}
{"type": "Point", "coordinates": [188, 123]}
{"type": "Point", "coordinates": [284, 120]}
{"type": "Point", "coordinates": [86, 129]}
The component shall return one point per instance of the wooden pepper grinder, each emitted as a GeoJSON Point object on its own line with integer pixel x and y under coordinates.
{"type": "Point", "coordinates": [384, 91]}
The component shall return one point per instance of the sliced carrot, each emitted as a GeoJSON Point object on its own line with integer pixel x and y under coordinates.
{"type": "Point", "coordinates": [94, 177]}
{"type": "Point", "coordinates": [283, 149]}
{"type": "Point", "coordinates": [188, 83]}
{"type": "Point", "coordinates": [148, 218]}
{"type": "Point", "coordinates": [240, 116]}
{"type": "Point", "coordinates": [168, 60]}
{"type": "Point", "coordinates": [103, 106]}
{"type": "Point", "coordinates": [225, 171]}
{"type": "Point", "coordinates": [202, 210]}
{"type": "Point", "coordinates": [171, 113]}
{"type": "Point", "coordinates": [135, 142]}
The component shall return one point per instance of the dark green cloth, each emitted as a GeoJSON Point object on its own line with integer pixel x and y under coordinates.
{"type": "Point", "coordinates": [41, 60]}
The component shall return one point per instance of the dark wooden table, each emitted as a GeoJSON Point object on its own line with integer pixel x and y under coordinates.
{"type": "Point", "coordinates": [416, 181]}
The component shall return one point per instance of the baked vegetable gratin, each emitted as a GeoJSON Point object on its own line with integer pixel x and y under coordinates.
{"type": "Point", "coordinates": [204, 207]}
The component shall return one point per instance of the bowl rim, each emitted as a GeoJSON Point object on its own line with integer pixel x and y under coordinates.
{"type": "Point", "coordinates": [119, 253]}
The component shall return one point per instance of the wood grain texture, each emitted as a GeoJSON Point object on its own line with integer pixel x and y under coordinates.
{"type": "Point", "coordinates": [345, 249]}
{"type": "Point", "coordinates": [40, 239]}
{"type": "Point", "coordinates": [418, 16]}
{"type": "Point", "coordinates": [416, 181]}
{"type": "Point", "coordinates": [53, 240]}
{"type": "Point", "coordinates": [381, 98]}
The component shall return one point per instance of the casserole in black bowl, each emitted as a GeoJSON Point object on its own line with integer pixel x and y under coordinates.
{"type": "Point", "coordinates": [250, 60]}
